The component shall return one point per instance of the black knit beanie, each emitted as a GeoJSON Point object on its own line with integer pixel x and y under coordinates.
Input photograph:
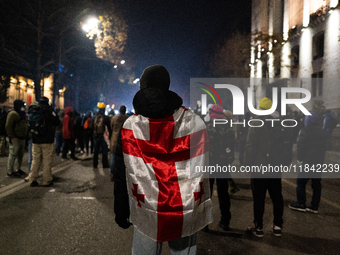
{"type": "Point", "coordinates": [155, 76]}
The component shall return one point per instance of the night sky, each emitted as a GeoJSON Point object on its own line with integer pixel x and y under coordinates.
{"type": "Point", "coordinates": [178, 34]}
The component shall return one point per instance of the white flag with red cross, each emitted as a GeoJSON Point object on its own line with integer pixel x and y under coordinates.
{"type": "Point", "coordinates": [169, 199]}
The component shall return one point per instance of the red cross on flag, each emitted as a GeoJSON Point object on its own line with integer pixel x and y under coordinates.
{"type": "Point", "coordinates": [169, 199]}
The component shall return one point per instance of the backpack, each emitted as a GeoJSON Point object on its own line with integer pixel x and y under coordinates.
{"type": "Point", "coordinates": [332, 122]}
{"type": "Point", "coordinates": [3, 119]}
{"type": "Point", "coordinates": [99, 126]}
{"type": "Point", "coordinates": [36, 122]}
{"type": "Point", "coordinates": [87, 123]}
{"type": "Point", "coordinates": [279, 150]}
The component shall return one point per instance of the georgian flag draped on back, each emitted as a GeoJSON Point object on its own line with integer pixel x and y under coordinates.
{"type": "Point", "coordinates": [169, 199]}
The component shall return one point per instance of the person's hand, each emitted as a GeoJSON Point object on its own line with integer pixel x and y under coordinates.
{"type": "Point", "coordinates": [123, 222]}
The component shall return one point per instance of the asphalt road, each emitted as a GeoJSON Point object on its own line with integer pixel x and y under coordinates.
{"type": "Point", "coordinates": [75, 216]}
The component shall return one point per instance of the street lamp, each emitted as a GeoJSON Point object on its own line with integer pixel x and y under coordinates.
{"type": "Point", "coordinates": [91, 27]}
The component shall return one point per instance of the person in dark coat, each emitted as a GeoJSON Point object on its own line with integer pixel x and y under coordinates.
{"type": "Point", "coordinates": [329, 123]}
{"type": "Point", "coordinates": [3, 116]}
{"type": "Point", "coordinates": [87, 132]}
{"type": "Point", "coordinates": [101, 127]}
{"type": "Point", "coordinates": [43, 145]}
{"type": "Point", "coordinates": [78, 131]}
{"type": "Point", "coordinates": [221, 153]}
{"type": "Point", "coordinates": [311, 151]}
{"type": "Point", "coordinates": [241, 137]}
{"type": "Point", "coordinates": [59, 133]}
{"type": "Point", "coordinates": [117, 122]}
{"type": "Point", "coordinates": [258, 146]}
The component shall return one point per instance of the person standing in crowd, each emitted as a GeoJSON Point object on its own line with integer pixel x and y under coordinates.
{"type": "Point", "coordinates": [117, 122]}
{"type": "Point", "coordinates": [101, 124]}
{"type": "Point", "coordinates": [3, 116]}
{"type": "Point", "coordinates": [68, 135]}
{"type": "Point", "coordinates": [30, 142]}
{"type": "Point", "coordinates": [329, 123]}
{"type": "Point", "coordinates": [155, 146]}
{"type": "Point", "coordinates": [262, 149]}
{"type": "Point", "coordinates": [78, 131]}
{"type": "Point", "coordinates": [221, 153]}
{"type": "Point", "coordinates": [241, 137]}
{"type": "Point", "coordinates": [43, 141]}
{"type": "Point", "coordinates": [311, 150]}
{"type": "Point", "coordinates": [111, 113]}
{"type": "Point", "coordinates": [299, 120]}
{"type": "Point", "coordinates": [87, 132]}
{"type": "Point", "coordinates": [59, 140]}
{"type": "Point", "coordinates": [16, 129]}
{"type": "Point", "coordinates": [232, 185]}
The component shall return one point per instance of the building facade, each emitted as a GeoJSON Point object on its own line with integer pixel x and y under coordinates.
{"type": "Point", "coordinates": [297, 39]}
{"type": "Point", "coordinates": [23, 88]}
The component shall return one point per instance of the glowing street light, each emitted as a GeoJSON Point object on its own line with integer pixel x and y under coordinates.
{"type": "Point", "coordinates": [91, 23]}
{"type": "Point", "coordinates": [122, 62]}
{"type": "Point", "coordinates": [91, 27]}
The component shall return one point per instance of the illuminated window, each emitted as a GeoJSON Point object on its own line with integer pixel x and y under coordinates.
{"type": "Point", "coordinates": [318, 45]}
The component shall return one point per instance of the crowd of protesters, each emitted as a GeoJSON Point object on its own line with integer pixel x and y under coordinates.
{"type": "Point", "coordinates": [44, 133]}
{"type": "Point", "coordinates": [144, 154]}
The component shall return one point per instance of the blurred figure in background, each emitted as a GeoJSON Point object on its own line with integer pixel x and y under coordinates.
{"type": "Point", "coordinates": [87, 132]}
{"type": "Point", "coordinates": [16, 129]}
{"type": "Point", "coordinates": [100, 124]}
{"type": "Point", "coordinates": [311, 151]}
{"type": "Point", "coordinates": [221, 152]}
{"type": "Point", "coordinates": [3, 116]}
{"type": "Point", "coordinates": [59, 140]}
{"type": "Point", "coordinates": [116, 124]}
{"type": "Point", "coordinates": [68, 134]}
{"type": "Point", "coordinates": [78, 131]}
{"type": "Point", "coordinates": [329, 123]}
{"type": "Point", "coordinates": [42, 123]}
{"type": "Point", "coordinates": [30, 142]}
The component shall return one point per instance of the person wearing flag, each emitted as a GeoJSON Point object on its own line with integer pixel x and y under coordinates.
{"type": "Point", "coordinates": [157, 186]}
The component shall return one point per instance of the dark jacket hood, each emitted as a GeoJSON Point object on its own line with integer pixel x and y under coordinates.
{"type": "Point", "coordinates": [156, 103]}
